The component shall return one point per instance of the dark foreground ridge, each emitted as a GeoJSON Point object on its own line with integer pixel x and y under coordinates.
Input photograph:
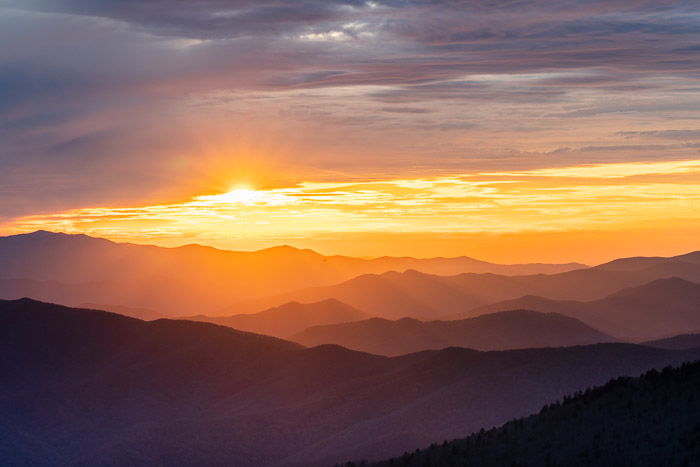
{"type": "Point", "coordinates": [85, 388]}
{"type": "Point", "coordinates": [652, 420]}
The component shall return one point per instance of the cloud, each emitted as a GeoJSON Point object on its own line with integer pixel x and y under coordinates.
{"type": "Point", "coordinates": [597, 197]}
{"type": "Point", "coordinates": [119, 100]}
{"type": "Point", "coordinates": [209, 19]}
{"type": "Point", "coordinates": [663, 134]}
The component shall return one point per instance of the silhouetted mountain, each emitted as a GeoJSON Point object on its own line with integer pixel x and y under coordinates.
{"type": "Point", "coordinates": [660, 308]}
{"type": "Point", "coordinates": [644, 262]}
{"type": "Point", "coordinates": [497, 331]}
{"type": "Point", "coordinates": [462, 264]}
{"type": "Point", "coordinates": [394, 295]}
{"type": "Point", "coordinates": [81, 294]}
{"type": "Point", "coordinates": [75, 269]}
{"type": "Point", "coordinates": [652, 420]}
{"type": "Point", "coordinates": [391, 295]}
{"type": "Point", "coordinates": [680, 342]}
{"type": "Point", "coordinates": [84, 387]}
{"type": "Point", "coordinates": [86, 292]}
{"type": "Point", "coordinates": [290, 318]}
{"type": "Point", "coordinates": [526, 302]}
{"type": "Point", "coordinates": [140, 313]}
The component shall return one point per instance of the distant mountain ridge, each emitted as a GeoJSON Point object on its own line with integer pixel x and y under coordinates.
{"type": "Point", "coordinates": [679, 342]}
{"type": "Point", "coordinates": [190, 279]}
{"type": "Point", "coordinates": [498, 331]}
{"type": "Point", "coordinates": [290, 318]}
{"type": "Point", "coordinates": [394, 295]}
{"type": "Point", "coordinates": [140, 313]}
{"type": "Point", "coordinates": [84, 387]}
{"type": "Point", "coordinates": [642, 262]}
{"type": "Point", "coordinates": [660, 308]}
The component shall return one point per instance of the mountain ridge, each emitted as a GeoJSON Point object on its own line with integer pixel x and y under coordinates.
{"type": "Point", "coordinates": [288, 319]}
{"type": "Point", "coordinates": [185, 280]}
{"type": "Point", "coordinates": [644, 421]}
{"type": "Point", "coordinates": [104, 386]}
{"type": "Point", "coordinates": [657, 309]}
{"type": "Point", "coordinates": [497, 331]}
{"type": "Point", "coordinates": [393, 295]}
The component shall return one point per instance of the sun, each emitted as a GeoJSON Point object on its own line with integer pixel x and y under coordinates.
{"type": "Point", "coordinates": [242, 196]}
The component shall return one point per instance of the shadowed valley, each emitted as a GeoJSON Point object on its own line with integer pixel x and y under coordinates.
{"type": "Point", "coordinates": [195, 393]}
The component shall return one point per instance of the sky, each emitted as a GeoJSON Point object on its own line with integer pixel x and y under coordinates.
{"type": "Point", "coordinates": [507, 130]}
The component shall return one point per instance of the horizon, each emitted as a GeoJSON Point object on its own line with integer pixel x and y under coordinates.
{"type": "Point", "coordinates": [355, 128]}
{"type": "Point", "coordinates": [366, 257]}
{"type": "Point", "coordinates": [209, 219]}
{"type": "Point", "coordinates": [349, 232]}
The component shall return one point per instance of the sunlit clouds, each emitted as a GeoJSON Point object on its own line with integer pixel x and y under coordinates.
{"type": "Point", "coordinates": [591, 197]}
{"type": "Point", "coordinates": [113, 103]}
{"type": "Point", "coordinates": [244, 124]}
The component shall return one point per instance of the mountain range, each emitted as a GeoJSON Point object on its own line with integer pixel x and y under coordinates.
{"type": "Point", "coordinates": [679, 342]}
{"type": "Point", "coordinates": [649, 420]}
{"type": "Point", "coordinates": [195, 280]}
{"type": "Point", "coordinates": [497, 331]}
{"type": "Point", "coordinates": [394, 295]}
{"type": "Point", "coordinates": [86, 387]}
{"type": "Point", "coordinates": [290, 318]}
{"type": "Point", "coordinates": [661, 308]}
{"type": "Point", "coordinates": [191, 279]}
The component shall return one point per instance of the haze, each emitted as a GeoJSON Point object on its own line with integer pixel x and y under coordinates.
{"type": "Point", "coordinates": [508, 131]}
{"type": "Point", "coordinates": [278, 233]}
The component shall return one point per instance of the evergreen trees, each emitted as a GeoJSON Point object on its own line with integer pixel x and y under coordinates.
{"type": "Point", "coordinates": [653, 420]}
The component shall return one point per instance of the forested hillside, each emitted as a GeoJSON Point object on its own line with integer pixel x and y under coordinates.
{"type": "Point", "coordinates": [653, 420]}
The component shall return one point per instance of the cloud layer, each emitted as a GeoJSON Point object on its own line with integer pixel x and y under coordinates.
{"type": "Point", "coordinates": [114, 102]}
{"type": "Point", "coordinates": [597, 197]}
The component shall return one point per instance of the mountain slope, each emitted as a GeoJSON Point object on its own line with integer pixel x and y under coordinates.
{"type": "Point", "coordinates": [647, 421]}
{"type": "Point", "coordinates": [660, 308]}
{"type": "Point", "coordinates": [527, 302]}
{"type": "Point", "coordinates": [75, 269]}
{"type": "Point", "coordinates": [140, 313]}
{"type": "Point", "coordinates": [643, 262]}
{"type": "Point", "coordinates": [394, 295]}
{"type": "Point", "coordinates": [498, 331]}
{"type": "Point", "coordinates": [680, 342]}
{"type": "Point", "coordinates": [93, 388]}
{"type": "Point", "coordinates": [290, 318]}
{"type": "Point", "coordinates": [390, 295]}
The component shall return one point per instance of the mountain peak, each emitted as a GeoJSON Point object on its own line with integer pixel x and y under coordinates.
{"type": "Point", "coordinates": [49, 235]}
{"type": "Point", "coordinates": [288, 249]}
{"type": "Point", "coordinates": [41, 234]}
{"type": "Point", "coordinates": [692, 257]}
{"type": "Point", "coordinates": [21, 301]}
{"type": "Point", "coordinates": [664, 285]}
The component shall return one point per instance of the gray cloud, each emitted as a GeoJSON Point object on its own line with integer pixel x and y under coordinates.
{"type": "Point", "coordinates": [93, 87]}
{"type": "Point", "coordinates": [663, 134]}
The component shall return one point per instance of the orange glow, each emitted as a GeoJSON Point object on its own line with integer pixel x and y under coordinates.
{"type": "Point", "coordinates": [239, 195]}
{"type": "Point", "coordinates": [530, 205]}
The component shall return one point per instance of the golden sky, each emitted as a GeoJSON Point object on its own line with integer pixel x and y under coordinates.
{"type": "Point", "coordinates": [561, 214]}
{"type": "Point", "coordinates": [509, 131]}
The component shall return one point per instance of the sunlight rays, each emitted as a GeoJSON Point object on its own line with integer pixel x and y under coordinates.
{"type": "Point", "coordinates": [573, 198]}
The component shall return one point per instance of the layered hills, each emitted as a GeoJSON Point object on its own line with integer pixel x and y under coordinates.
{"type": "Point", "coordinates": [498, 331]}
{"type": "Point", "coordinates": [393, 295]}
{"type": "Point", "coordinates": [645, 421]}
{"type": "Point", "coordinates": [192, 279]}
{"type": "Point", "coordinates": [86, 387]}
{"type": "Point", "coordinates": [290, 318]}
{"type": "Point", "coordinates": [658, 309]}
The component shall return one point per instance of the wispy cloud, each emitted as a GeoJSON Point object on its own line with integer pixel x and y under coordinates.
{"type": "Point", "coordinates": [613, 196]}
{"type": "Point", "coordinates": [121, 102]}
